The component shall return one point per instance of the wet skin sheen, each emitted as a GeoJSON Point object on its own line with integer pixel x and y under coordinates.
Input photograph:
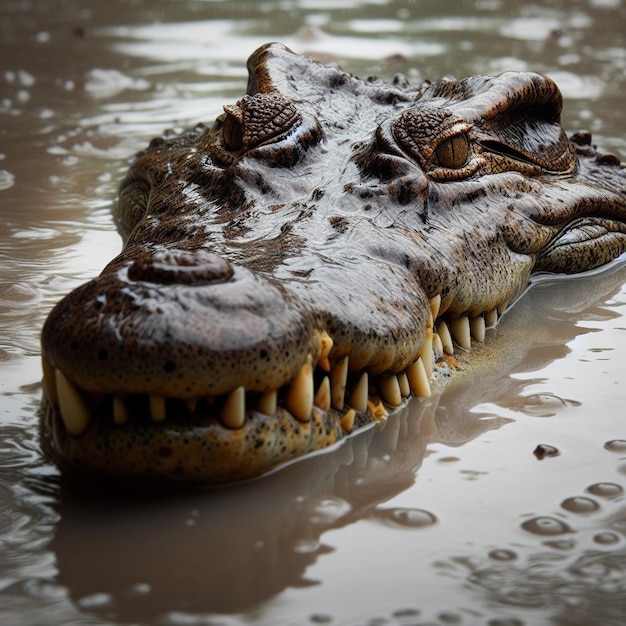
{"type": "Point", "coordinates": [315, 257]}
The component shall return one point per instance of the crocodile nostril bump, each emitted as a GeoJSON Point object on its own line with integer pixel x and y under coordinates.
{"type": "Point", "coordinates": [180, 267]}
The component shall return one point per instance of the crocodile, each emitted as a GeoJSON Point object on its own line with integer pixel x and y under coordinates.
{"type": "Point", "coordinates": [325, 251]}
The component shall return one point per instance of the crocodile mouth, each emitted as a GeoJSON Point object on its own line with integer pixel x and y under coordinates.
{"type": "Point", "coordinates": [324, 402]}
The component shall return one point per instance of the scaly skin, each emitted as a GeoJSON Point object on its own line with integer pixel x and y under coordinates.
{"type": "Point", "coordinates": [296, 271]}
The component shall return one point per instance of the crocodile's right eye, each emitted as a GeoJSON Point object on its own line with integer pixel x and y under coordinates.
{"type": "Point", "coordinates": [232, 132]}
{"type": "Point", "coordinates": [453, 152]}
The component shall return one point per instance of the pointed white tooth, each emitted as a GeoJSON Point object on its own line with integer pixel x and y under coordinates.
{"type": "Point", "coordinates": [49, 381]}
{"type": "Point", "coordinates": [427, 354]}
{"type": "Point", "coordinates": [157, 408]}
{"type": "Point", "coordinates": [233, 413]}
{"type": "Point", "coordinates": [75, 412]}
{"type": "Point", "coordinates": [120, 412]}
{"type": "Point", "coordinates": [477, 327]}
{"type": "Point", "coordinates": [418, 380]}
{"type": "Point", "coordinates": [405, 388]}
{"type": "Point", "coordinates": [358, 397]}
{"type": "Point", "coordinates": [299, 400]}
{"type": "Point", "coordinates": [338, 378]}
{"type": "Point", "coordinates": [191, 404]}
{"type": "Point", "coordinates": [435, 305]}
{"type": "Point", "coordinates": [460, 330]}
{"type": "Point", "coordinates": [268, 402]}
{"type": "Point", "coordinates": [446, 339]}
{"type": "Point", "coordinates": [491, 318]}
{"type": "Point", "coordinates": [322, 397]}
{"type": "Point", "coordinates": [437, 346]}
{"type": "Point", "coordinates": [389, 388]}
{"type": "Point", "coordinates": [347, 421]}
{"type": "Point", "coordinates": [326, 344]}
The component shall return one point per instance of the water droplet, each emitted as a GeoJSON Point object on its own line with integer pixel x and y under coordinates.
{"type": "Point", "coordinates": [410, 518]}
{"type": "Point", "coordinates": [543, 404]}
{"type": "Point", "coordinates": [561, 544]}
{"type": "Point", "coordinates": [580, 505]}
{"type": "Point", "coordinates": [546, 526]}
{"type": "Point", "coordinates": [606, 538]}
{"type": "Point", "coordinates": [543, 450]}
{"type": "Point", "coordinates": [616, 445]}
{"type": "Point", "coordinates": [606, 490]}
{"type": "Point", "coordinates": [329, 510]}
{"type": "Point", "coordinates": [502, 555]}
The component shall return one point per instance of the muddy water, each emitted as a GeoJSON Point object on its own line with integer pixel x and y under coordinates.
{"type": "Point", "coordinates": [444, 517]}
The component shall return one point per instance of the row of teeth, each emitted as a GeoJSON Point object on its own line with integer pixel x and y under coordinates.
{"type": "Point", "coordinates": [337, 388]}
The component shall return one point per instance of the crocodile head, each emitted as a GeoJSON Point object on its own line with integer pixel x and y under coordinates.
{"type": "Point", "coordinates": [307, 263]}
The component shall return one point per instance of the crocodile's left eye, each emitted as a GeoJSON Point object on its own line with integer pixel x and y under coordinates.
{"type": "Point", "coordinates": [452, 153]}
{"type": "Point", "coordinates": [232, 132]}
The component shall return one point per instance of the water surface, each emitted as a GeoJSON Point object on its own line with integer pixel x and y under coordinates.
{"type": "Point", "coordinates": [444, 517]}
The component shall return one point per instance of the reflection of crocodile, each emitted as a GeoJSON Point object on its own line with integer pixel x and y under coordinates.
{"type": "Point", "coordinates": [290, 273]}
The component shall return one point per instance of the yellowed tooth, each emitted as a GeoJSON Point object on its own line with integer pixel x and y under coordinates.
{"type": "Point", "coordinates": [322, 397]}
{"type": "Point", "coordinates": [427, 354]}
{"type": "Point", "coordinates": [491, 318]}
{"type": "Point", "coordinates": [405, 388]}
{"type": "Point", "coordinates": [233, 413]}
{"type": "Point", "coordinates": [157, 408]}
{"type": "Point", "coordinates": [191, 404]}
{"type": "Point", "coordinates": [120, 412]}
{"type": "Point", "coordinates": [389, 388]}
{"type": "Point", "coordinates": [347, 421]}
{"type": "Point", "coordinates": [437, 346]}
{"type": "Point", "coordinates": [326, 344]}
{"type": "Point", "coordinates": [338, 378]}
{"type": "Point", "coordinates": [460, 330]}
{"type": "Point", "coordinates": [477, 328]}
{"type": "Point", "coordinates": [299, 400]}
{"type": "Point", "coordinates": [376, 408]}
{"type": "Point", "coordinates": [435, 305]}
{"type": "Point", "coordinates": [268, 402]}
{"type": "Point", "coordinates": [418, 380]}
{"type": "Point", "coordinates": [49, 381]}
{"type": "Point", "coordinates": [75, 412]}
{"type": "Point", "coordinates": [446, 339]}
{"type": "Point", "coordinates": [358, 397]}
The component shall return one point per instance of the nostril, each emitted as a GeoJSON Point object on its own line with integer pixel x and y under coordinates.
{"type": "Point", "coordinates": [180, 267]}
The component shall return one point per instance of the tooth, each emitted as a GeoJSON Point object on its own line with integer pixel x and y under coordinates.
{"type": "Point", "coordinates": [347, 421]}
{"type": "Point", "coordinates": [418, 380]}
{"type": "Point", "coordinates": [491, 318]}
{"type": "Point", "coordinates": [120, 412]}
{"type": "Point", "coordinates": [477, 326]}
{"type": "Point", "coordinates": [157, 408]}
{"type": "Point", "coordinates": [376, 408]}
{"type": "Point", "coordinates": [405, 388]}
{"type": "Point", "coordinates": [427, 354]}
{"type": "Point", "coordinates": [49, 382]}
{"type": "Point", "coordinates": [322, 397]}
{"type": "Point", "coordinates": [268, 402]}
{"type": "Point", "coordinates": [389, 388]}
{"type": "Point", "coordinates": [338, 378]}
{"type": "Point", "coordinates": [326, 344]}
{"type": "Point", "coordinates": [75, 412]}
{"type": "Point", "coordinates": [446, 339]}
{"type": "Point", "coordinates": [233, 413]}
{"type": "Point", "coordinates": [437, 346]}
{"type": "Point", "coordinates": [191, 404]}
{"type": "Point", "coordinates": [299, 401]}
{"type": "Point", "coordinates": [435, 305]}
{"type": "Point", "coordinates": [358, 398]}
{"type": "Point", "coordinates": [460, 329]}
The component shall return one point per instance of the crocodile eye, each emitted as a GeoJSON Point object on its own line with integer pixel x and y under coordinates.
{"type": "Point", "coordinates": [232, 133]}
{"type": "Point", "coordinates": [453, 152]}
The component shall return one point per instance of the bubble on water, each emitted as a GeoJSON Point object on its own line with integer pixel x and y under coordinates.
{"type": "Point", "coordinates": [544, 450]}
{"type": "Point", "coordinates": [616, 445]}
{"type": "Point", "coordinates": [407, 517]}
{"type": "Point", "coordinates": [546, 526]}
{"type": "Point", "coordinates": [328, 510]}
{"type": "Point", "coordinates": [579, 504]}
{"type": "Point", "coordinates": [606, 538]}
{"type": "Point", "coordinates": [502, 555]}
{"type": "Point", "coordinates": [606, 490]}
{"type": "Point", "coordinates": [544, 404]}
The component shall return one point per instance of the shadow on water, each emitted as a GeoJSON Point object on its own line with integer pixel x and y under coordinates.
{"type": "Point", "coordinates": [137, 557]}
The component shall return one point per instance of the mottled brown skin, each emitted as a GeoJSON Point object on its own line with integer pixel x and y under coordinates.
{"type": "Point", "coordinates": [318, 205]}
